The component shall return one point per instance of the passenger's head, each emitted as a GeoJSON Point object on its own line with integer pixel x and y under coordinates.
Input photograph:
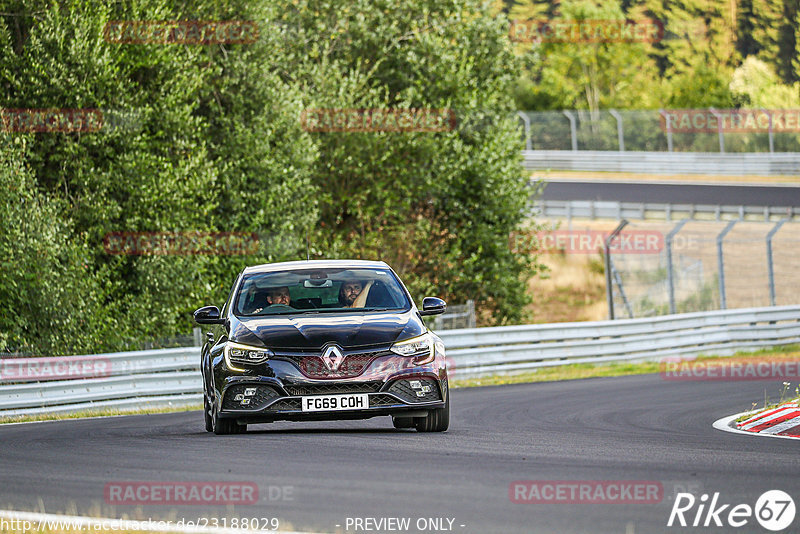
{"type": "Point", "coordinates": [349, 291]}
{"type": "Point", "coordinates": [278, 295]}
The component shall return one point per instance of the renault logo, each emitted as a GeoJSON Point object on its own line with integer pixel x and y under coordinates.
{"type": "Point", "coordinates": [332, 356]}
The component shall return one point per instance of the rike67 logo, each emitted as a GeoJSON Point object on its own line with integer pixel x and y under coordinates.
{"type": "Point", "coordinates": [774, 510]}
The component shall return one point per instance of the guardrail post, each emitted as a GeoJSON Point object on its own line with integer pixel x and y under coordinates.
{"type": "Point", "coordinates": [470, 313]}
{"type": "Point", "coordinates": [607, 251]}
{"type": "Point", "coordinates": [771, 139]}
{"type": "Point", "coordinates": [769, 261]}
{"type": "Point", "coordinates": [527, 122]}
{"type": "Point", "coordinates": [721, 263]}
{"type": "Point", "coordinates": [620, 133]}
{"type": "Point", "coordinates": [719, 130]}
{"type": "Point", "coordinates": [668, 123]}
{"type": "Point", "coordinates": [670, 274]}
{"type": "Point", "coordinates": [197, 335]}
{"type": "Point", "coordinates": [573, 130]}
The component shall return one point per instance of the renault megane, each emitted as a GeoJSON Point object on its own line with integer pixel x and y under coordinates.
{"type": "Point", "coordinates": [322, 340]}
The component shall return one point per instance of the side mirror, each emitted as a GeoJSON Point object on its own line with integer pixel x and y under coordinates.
{"type": "Point", "coordinates": [208, 315]}
{"type": "Point", "coordinates": [433, 306]}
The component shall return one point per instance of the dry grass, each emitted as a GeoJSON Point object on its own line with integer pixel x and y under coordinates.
{"type": "Point", "coordinates": [573, 289]}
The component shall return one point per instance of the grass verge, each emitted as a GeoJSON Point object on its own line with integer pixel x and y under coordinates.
{"type": "Point", "coordinates": [587, 370]}
{"type": "Point", "coordinates": [106, 412]}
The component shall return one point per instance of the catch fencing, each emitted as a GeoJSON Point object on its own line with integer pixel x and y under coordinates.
{"type": "Point", "coordinates": [706, 266]}
{"type": "Point", "coordinates": [648, 131]}
{"type": "Point", "coordinates": [172, 377]}
{"type": "Point", "coordinates": [604, 209]}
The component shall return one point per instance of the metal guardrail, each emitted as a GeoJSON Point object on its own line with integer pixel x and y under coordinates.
{"type": "Point", "coordinates": [133, 380]}
{"type": "Point", "coordinates": [757, 163]}
{"type": "Point", "coordinates": [482, 351]}
{"type": "Point", "coordinates": [172, 376]}
{"type": "Point", "coordinates": [603, 209]}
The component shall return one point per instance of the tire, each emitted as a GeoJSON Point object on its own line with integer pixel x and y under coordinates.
{"type": "Point", "coordinates": [221, 426]}
{"type": "Point", "coordinates": [403, 422]}
{"type": "Point", "coordinates": [438, 420]}
{"type": "Point", "coordinates": [207, 414]}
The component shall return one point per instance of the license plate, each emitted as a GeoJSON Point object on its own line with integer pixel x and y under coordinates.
{"type": "Point", "coordinates": [324, 403]}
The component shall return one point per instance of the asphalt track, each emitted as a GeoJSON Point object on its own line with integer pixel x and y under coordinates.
{"type": "Point", "coordinates": [724, 195]}
{"type": "Point", "coordinates": [627, 428]}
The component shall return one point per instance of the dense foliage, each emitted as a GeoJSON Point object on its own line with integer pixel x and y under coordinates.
{"type": "Point", "coordinates": [210, 138]}
{"type": "Point", "coordinates": [693, 64]}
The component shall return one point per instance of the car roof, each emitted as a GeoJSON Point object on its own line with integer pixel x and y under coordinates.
{"type": "Point", "coordinates": [292, 265]}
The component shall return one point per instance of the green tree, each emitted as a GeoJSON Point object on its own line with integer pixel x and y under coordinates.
{"type": "Point", "coordinates": [591, 75]}
{"type": "Point", "coordinates": [439, 207]}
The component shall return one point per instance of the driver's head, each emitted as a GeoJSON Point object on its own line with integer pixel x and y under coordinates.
{"type": "Point", "coordinates": [278, 295]}
{"type": "Point", "coordinates": [350, 291]}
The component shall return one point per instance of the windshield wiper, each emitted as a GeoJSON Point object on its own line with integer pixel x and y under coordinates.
{"type": "Point", "coordinates": [321, 310]}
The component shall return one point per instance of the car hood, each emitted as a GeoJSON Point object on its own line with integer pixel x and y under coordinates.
{"type": "Point", "coordinates": [314, 331]}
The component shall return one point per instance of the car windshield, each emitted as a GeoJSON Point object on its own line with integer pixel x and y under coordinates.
{"type": "Point", "coordinates": [319, 290]}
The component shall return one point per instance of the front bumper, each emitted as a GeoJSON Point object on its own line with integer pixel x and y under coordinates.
{"type": "Point", "coordinates": [274, 392]}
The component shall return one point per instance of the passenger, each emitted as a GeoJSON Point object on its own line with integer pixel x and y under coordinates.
{"type": "Point", "coordinates": [354, 294]}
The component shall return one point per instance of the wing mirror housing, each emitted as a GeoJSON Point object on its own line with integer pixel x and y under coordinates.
{"type": "Point", "coordinates": [433, 306]}
{"type": "Point", "coordinates": [208, 315]}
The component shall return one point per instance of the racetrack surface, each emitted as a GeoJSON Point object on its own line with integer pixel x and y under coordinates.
{"type": "Point", "coordinates": [624, 428]}
{"type": "Point", "coordinates": [724, 195]}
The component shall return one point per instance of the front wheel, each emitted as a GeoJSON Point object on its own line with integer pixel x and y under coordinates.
{"type": "Point", "coordinates": [438, 420]}
{"type": "Point", "coordinates": [222, 427]}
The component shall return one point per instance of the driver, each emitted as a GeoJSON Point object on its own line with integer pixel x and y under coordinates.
{"type": "Point", "coordinates": [276, 295]}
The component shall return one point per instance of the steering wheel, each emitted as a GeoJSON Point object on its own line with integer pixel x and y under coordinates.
{"type": "Point", "coordinates": [280, 307]}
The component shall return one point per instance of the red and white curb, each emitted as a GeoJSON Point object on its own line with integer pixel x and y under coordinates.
{"type": "Point", "coordinates": [780, 422]}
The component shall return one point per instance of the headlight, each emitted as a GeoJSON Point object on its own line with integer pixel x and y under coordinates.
{"type": "Point", "coordinates": [238, 354]}
{"type": "Point", "coordinates": [416, 346]}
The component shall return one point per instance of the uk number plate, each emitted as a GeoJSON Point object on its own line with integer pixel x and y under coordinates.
{"type": "Point", "coordinates": [324, 403]}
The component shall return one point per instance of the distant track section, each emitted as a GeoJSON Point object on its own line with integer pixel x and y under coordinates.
{"type": "Point", "coordinates": [730, 195]}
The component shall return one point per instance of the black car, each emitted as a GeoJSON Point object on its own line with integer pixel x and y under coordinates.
{"type": "Point", "coordinates": [322, 340]}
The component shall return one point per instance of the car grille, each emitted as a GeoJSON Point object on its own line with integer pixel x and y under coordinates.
{"type": "Point", "coordinates": [403, 389]}
{"type": "Point", "coordinates": [262, 396]}
{"type": "Point", "coordinates": [352, 365]}
{"type": "Point", "coordinates": [333, 389]}
{"type": "Point", "coordinates": [382, 400]}
{"type": "Point", "coordinates": [285, 405]}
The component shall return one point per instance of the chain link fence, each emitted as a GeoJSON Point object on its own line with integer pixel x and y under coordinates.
{"type": "Point", "coordinates": [658, 131]}
{"type": "Point", "coordinates": [703, 266]}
